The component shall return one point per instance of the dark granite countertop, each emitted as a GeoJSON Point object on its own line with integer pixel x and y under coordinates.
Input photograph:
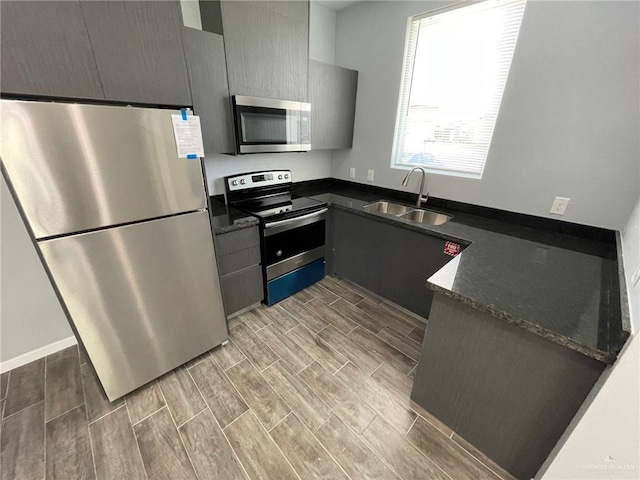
{"type": "Point", "coordinates": [562, 287]}
{"type": "Point", "coordinates": [226, 219]}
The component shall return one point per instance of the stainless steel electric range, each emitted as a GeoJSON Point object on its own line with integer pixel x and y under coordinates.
{"type": "Point", "coordinates": [292, 230]}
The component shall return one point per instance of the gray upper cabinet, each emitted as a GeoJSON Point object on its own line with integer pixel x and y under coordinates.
{"type": "Point", "coordinates": [332, 93]}
{"type": "Point", "coordinates": [209, 89]}
{"type": "Point", "coordinates": [45, 50]}
{"type": "Point", "coordinates": [138, 50]}
{"type": "Point", "coordinates": [267, 47]}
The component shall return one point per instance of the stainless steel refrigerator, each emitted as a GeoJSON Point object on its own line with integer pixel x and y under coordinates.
{"type": "Point", "coordinates": [122, 226]}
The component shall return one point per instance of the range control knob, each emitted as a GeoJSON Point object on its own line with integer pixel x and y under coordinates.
{"type": "Point", "coordinates": [279, 177]}
{"type": "Point", "coordinates": [279, 253]}
{"type": "Point", "coordinates": [286, 175]}
{"type": "Point", "coordinates": [234, 182]}
{"type": "Point", "coordinates": [243, 181]}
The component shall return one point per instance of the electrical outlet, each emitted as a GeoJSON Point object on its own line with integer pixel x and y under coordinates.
{"type": "Point", "coordinates": [559, 205]}
{"type": "Point", "coordinates": [352, 172]}
{"type": "Point", "coordinates": [370, 175]}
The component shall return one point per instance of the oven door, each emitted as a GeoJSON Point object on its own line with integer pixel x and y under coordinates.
{"type": "Point", "coordinates": [268, 125]}
{"type": "Point", "coordinates": [293, 243]}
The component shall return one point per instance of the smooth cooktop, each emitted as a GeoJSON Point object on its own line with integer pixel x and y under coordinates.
{"type": "Point", "coordinates": [280, 205]}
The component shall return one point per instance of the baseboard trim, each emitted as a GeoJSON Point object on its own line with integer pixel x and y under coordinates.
{"type": "Point", "coordinates": [37, 354]}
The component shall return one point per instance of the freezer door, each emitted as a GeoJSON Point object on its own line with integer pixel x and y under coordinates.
{"type": "Point", "coordinates": [79, 167]}
{"type": "Point", "coordinates": [144, 298]}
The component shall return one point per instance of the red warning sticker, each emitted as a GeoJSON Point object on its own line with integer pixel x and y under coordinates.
{"type": "Point", "coordinates": [451, 249]}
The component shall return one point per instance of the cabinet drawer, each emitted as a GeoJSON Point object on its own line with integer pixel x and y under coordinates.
{"type": "Point", "coordinates": [242, 290]}
{"type": "Point", "coordinates": [239, 260]}
{"type": "Point", "coordinates": [237, 240]}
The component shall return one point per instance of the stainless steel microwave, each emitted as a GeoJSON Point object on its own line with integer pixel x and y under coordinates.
{"type": "Point", "coordinates": [269, 125]}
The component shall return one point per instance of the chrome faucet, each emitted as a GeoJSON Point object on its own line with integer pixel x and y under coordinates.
{"type": "Point", "coordinates": [421, 197]}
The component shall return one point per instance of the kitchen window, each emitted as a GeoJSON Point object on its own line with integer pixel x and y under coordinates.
{"type": "Point", "coordinates": [456, 66]}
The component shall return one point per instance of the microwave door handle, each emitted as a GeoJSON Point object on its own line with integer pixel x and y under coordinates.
{"type": "Point", "coordinates": [295, 219]}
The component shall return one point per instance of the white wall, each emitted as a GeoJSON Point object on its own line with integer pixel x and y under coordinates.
{"type": "Point", "coordinates": [303, 166]}
{"type": "Point", "coordinates": [605, 443]}
{"type": "Point", "coordinates": [569, 120]}
{"type": "Point", "coordinates": [322, 33]}
{"type": "Point", "coordinates": [31, 317]}
{"type": "Point", "coordinates": [631, 257]}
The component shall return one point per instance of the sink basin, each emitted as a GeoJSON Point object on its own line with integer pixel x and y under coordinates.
{"type": "Point", "coordinates": [425, 216]}
{"type": "Point", "coordinates": [386, 207]}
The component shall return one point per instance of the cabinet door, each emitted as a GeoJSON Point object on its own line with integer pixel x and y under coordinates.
{"type": "Point", "coordinates": [209, 89]}
{"type": "Point", "coordinates": [391, 261]}
{"type": "Point", "coordinates": [332, 93]}
{"type": "Point", "coordinates": [267, 46]}
{"type": "Point", "coordinates": [138, 50]}
{"type": "Point", "coordinates": [46, 50]}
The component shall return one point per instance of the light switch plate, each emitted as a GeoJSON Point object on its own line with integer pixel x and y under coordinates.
{"type": "Point", "coordinates": [370, 175]}
{"type": "Point", "coordinates": [352, 172]}
{"type": "Point", "coordinates": [559, 205]}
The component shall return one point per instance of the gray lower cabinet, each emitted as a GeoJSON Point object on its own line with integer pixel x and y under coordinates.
{"type": "Point", "coordinates": [138, 50]}
{"type": "Point", "coordinates": [389, 260]}
{"type": "Point", "coordinates": [267, 48]}
{"type": "Point", "coordinates": [507, 391]}
{"type": "Point", "coordinates": [207, 69]}
{"type": "Point", "coordinates": [240, 270]}
{"type": "Point", "coordinates": [45, 50]}
{"type": "Point", "coordinates": [332, 93]}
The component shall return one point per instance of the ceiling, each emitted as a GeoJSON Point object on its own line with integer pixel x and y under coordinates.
{"type": "Point", "coordinates": [336, 4]}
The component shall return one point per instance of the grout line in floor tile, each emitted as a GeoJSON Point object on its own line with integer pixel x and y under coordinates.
{"type": "Point", "coordinates": [93, 453]}
{"type": "Point", "coordinates": [378, 368]}
{"type": "Point", "coordinates": [199, 361]}
{"type": "Point", "coordinates": [336, 372]}
{"type": "Point", "coordinates": [364, 440]}
{"type": "Point", "coordinates": [235, 419]}
{"type": "Point", "coordinates": [237, 363]}
{"type": "Point", "coordinates": [271, 364]}
{"type": "Point", "coordinates": [412, 424]}
{"type": "Point", "coordinates": [218, 423]}
{"type": "Point", "coordinates": [187, 421]}
{"type": "Point", "coordinates": [262, 328]}
{"type": "Point", "coordinates": [86, 415]}
{"type": "Point", "coordinates": [63, 413]}
{"type": "Point", "coordinates": [6, 391]}
{"type": "Point", "coordinates": [313, 434]}
{"type": "Point", "coordinates": [303, 368]}
{"type": "Point", "coordinates": [281, 420]}
{"type": "Point", "coordinates": [295, 472]}
{"type": "Point", "coordinates": [151, 414]}
{"type": "Point", "coordinates": [175, 426]}
{"type": "Point", "coordinates": [107, 414]}
{"type": "Point", "coordinates": [133, 430]}
{"type": "Point", "coordinates": [477, 459]}
{"type": "Point", "coordinates": [429, 458]}
{"type": "Point", "coordinates": [325, 422]}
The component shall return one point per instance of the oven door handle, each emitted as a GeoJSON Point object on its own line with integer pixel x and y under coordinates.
{"type": "Point", "coordinates": [295, 219]}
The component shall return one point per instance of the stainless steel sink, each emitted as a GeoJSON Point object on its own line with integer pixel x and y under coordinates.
{"type": "Point", "coordinates": [386, 207]}
{"type": "Point", "coordinates": [425, 216]}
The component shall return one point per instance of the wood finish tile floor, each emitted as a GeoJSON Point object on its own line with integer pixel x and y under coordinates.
{"type": "Point", "coordinates": [315, 387]}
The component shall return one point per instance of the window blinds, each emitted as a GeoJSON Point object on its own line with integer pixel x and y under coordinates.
{"type": "Point", "coordinates": [456, 67]}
